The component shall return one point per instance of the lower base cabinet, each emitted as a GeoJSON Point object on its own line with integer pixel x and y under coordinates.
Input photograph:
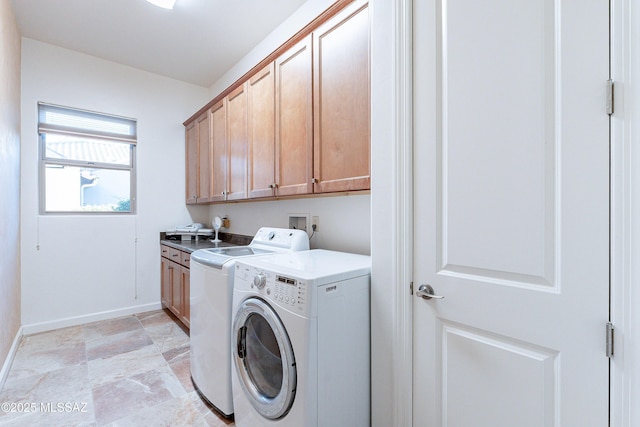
{"type": "Point", "coordinates": [174, 278]}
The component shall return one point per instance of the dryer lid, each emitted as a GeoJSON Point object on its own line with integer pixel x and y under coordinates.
{"type": "Point", "coordinates": [217, 257]}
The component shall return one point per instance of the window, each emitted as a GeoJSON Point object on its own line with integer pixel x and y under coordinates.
{"type": "Point", "coordinates": [87, 161]}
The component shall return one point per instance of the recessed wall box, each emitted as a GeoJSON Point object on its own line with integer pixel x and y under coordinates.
{"type": "Point", "coordinates": [299, 221]}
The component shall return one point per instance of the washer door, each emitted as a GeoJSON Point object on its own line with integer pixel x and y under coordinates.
{"type": "Point", "coordinates": [264, 359]}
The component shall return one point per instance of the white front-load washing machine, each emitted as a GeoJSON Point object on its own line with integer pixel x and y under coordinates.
{"type": "Point", "coordinates": [301, 331]}
{"type": "Point", "coordinates": [211, 291]}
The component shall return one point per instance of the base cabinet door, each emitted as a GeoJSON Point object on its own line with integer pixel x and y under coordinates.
{"type": "Point", "coordinates": [175, 282]}
{"type": "Point", "coordinates": [165, 282]}
{"type": "Point", "coordinates": [186, 297]}
{"type": "Point", "coordinates": [176, 289]}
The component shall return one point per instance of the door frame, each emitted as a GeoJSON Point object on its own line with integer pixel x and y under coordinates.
{"type": "Point", "coordinates": [392, 200]}
{"type": "Point", "coordinates": [625, 200]}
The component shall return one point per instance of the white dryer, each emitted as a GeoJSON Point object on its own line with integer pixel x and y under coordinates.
{"type": "Point", "coordinates": [301, 330]}
{"type": "Point", "coordinates": [211, 291]}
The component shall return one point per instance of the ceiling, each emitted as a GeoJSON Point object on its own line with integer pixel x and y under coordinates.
{"type": "Point", "coordinates": [196, 42]}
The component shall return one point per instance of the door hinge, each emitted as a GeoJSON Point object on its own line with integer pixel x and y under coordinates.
{"type": "Point", "coordinates": [411, 288]}
{"type": "Point", "coordinates": [610, 97]}
{"type": "Point", "coordinates": [609, 340]}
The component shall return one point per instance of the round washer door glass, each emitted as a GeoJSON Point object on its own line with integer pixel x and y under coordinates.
{"type": "Point", "coordinates": [264, 359]}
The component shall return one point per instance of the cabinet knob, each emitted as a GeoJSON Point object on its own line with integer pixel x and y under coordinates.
{"type": "Point", "coordinates": [314, 181]}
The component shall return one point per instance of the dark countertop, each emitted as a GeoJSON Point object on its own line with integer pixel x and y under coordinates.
{"type": "Point", "coordinates": [203, 242]}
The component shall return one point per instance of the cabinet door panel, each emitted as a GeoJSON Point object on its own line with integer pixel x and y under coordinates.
{"type": "Point", "coordinates": [165, 282]}
{"type": "Point", "coordinates": [218, 175]}
{"type": "Point", "coordinates": [204, 159]}
{"type": "Point", "coordinates": [186, 297]}
{"type": "Point", "coordinates": [261, 124]}
{"type": "Point", "coordinates": [294, 120]}
{"type": "Point", "coordinates": [237, 143]}
{"type": "Point", "coordinates": [176, 289]}
{"type": "Point", "coordinates": [191, 166]}
{"type": "Point", "coordinates": [342, 102]}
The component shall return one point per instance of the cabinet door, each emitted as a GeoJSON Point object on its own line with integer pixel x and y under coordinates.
{"type": "Point", "coordinates": [218, 187]}
{"type": "Point", "coordinates": [237, 143]}
{"type": "Point", "coordinates": [165, 282]}
{"type": "Point", "coordinates": [261, 122]}
{"type": "Point", "coordinates": [204, 159]}
{"type": "Point", "coordinates": [186, 297]}
{"type": "Point", "coordinates": [176, 290]}
{"type": "Point", "coordinates": [341, 102]}
{"type": "Point", "coordinates": [294, 120]}
{"type": "Point", "coordinates": [191, 166]}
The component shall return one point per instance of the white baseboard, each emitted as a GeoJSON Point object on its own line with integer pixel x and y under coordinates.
{"type": "Point", "coordinates": [6, 366]}
{"type": "Point", "coordinates": [88, 318]}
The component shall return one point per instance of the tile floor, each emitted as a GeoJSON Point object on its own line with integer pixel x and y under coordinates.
{"type": "Point", "coordinates": [130, 371]}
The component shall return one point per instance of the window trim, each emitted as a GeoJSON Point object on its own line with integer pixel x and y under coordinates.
{"type": "Point", "coordinates": [131, 140]}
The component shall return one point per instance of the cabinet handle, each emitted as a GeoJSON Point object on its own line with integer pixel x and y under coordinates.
{"type": "Point", "coordinates": [314, 181]}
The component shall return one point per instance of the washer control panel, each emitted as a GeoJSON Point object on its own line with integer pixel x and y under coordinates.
{"type": "Point", "coordinates": [286, 291]}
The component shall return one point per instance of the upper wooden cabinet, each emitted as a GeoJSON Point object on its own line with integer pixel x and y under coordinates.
{"type": "Point", "coordinates": [191, 156]}
{"type": "Point", "coordinates": [198, 162]}
{"type": "Point", "coordinates": [237, 143]}
{"type": "Point", "coordinates": [219, 151]}
{"type": "Point", "coordinates": [298, 125]}
{"type": "Point", "coordinates": [261, 123]}
{"type": "Point", "coordinates": [204, 159]}
{"type": "Point", "coordinates": [294, 120]}
{"type": "Point", "coordinates": [342, 102]}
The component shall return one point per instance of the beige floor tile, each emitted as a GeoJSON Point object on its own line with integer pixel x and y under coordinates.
{"type": "Point", "coordinates": [167, 336]}
{"type": "Point", "coordinates": [129, 371]}
{"type": "Point", "coordinates": [61, 397]}
{"type": "Point", "coordinates": [128, 396]}
{"type": "Point", "coordinates": [113, 345]}
{"type": "Point", "coordinates": [120, 366]}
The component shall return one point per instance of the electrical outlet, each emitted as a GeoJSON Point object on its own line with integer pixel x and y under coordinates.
{"type": "Point", "coordinates": [315, 223]}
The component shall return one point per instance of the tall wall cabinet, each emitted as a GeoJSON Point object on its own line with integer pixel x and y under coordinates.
{"type": "Point", "coordinates": [299, 124]}
{"type": "Point", "coordinates": [198, 161]}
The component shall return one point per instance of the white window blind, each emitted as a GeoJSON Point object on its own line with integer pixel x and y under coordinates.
{"type": "Point", "coordinates": [69, 121]}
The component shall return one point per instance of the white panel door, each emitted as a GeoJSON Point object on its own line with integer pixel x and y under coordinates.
{"type": "Point", "coordinates": [511, 213]}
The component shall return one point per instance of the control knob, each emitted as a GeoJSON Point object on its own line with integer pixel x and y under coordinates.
{"type": "Point", "coordinates": [259, 280]}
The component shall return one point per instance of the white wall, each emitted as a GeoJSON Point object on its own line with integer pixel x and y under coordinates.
{"type": "Point", "coordinates": [384, 183]}
{"type": "Point", "coordinates": [9, 185]}
{"type": "Point", "coordinates": [81, 268]}
{"type": "Point", "coordinates": [344, 220]}
{"type": "Point", "coordinates": [301, 17]}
